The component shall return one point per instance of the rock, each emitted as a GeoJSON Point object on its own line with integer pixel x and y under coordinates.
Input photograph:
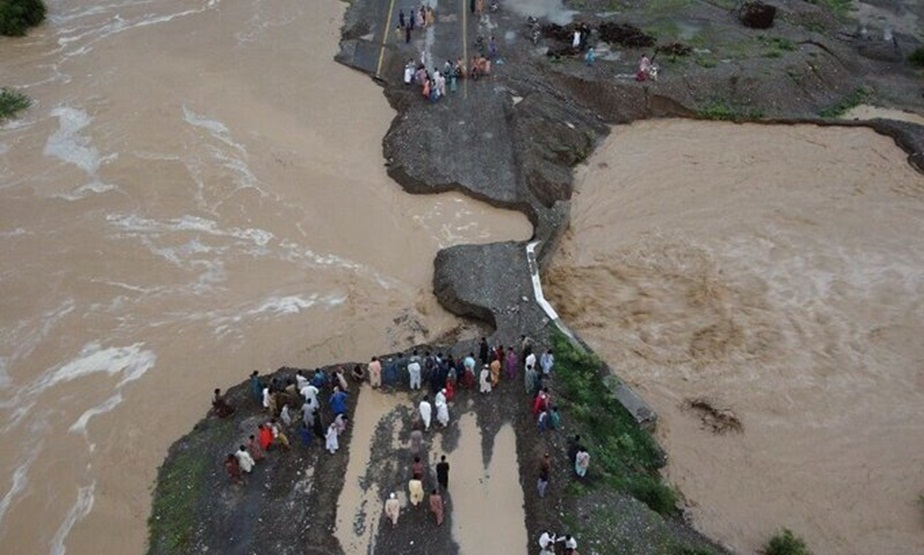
{"type": "Point", "coordinates": [756, 14]}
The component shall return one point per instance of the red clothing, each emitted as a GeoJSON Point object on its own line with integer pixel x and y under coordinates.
{"type": "Point", "coordinates": [540, 404]}
{"type": "Point", "coordinates": [450, 390]}
{"type": "Point", "coordinates": [266, 437]}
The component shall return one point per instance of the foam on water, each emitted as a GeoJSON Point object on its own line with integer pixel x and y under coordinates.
{"type": "Point", "coordinates": [68, 145]}
{"type": "Point", "coordinates": [130, 362]}
{"type": "Point", "coordinates": [80, 425]}
{"type": "Point", "coordinates": [215, 128]}
{"type": "Point", "coordinates": [77, 512]}
{"type": "Point", "coordinates": [19, 481]}
{"type": "Point", "coordinates": [294, 304]}
{"type": "Point", "coordinates": [4, 372]}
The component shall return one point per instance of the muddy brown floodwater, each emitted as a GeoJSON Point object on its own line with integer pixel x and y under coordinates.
{"type": "Point", "coordinates": [198, 192]}
{"type": "Point", "coordinates": [777, 273]}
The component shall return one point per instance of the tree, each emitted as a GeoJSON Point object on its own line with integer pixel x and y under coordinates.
{"type": "Point", "coordinates": [16, 16]}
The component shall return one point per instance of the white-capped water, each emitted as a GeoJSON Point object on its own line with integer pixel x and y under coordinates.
{"type": "Point", "coordinates": [198, 191]}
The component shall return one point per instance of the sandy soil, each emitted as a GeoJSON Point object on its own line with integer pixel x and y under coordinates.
{"type": "Point", "coordinates": [776, 273]}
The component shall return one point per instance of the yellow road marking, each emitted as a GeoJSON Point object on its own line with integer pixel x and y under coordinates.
{"type": "Point", "coordinates": [385, 33]}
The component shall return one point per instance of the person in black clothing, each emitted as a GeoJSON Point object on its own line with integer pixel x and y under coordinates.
{"type": "Point", "coordinates": [442, 473]}
{"type": "Point", "coordinates": [483, 351]}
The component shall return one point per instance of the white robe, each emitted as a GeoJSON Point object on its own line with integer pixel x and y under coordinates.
{"type": "Point", "coordinates": [426, 413]}
{"type": "Point", "coordinates": [245, 460]}
{"type": "Point", "coordinates": [442, 413]}
{"type": "Point", "coordinates": [310, 393]}
{"type": "Point", "coordinates": [332, 442]}
{"type": "Point", "coordinates": [285, 416]}
{"type": "Point", "coordinates": [485, 380]}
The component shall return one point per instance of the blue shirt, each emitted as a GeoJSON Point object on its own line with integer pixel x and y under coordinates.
{"type": "Point", "coordinates": [338, 402]}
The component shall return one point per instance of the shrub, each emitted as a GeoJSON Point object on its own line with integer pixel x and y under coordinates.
{"type": "Point", "coordinates": [916, 58]}
{"type": "Point", "coordinates": [12, 101]}
{"type": "Point", "coordinates": [16, 16]}
{"type": "Point", "coordinates": [786, 543]}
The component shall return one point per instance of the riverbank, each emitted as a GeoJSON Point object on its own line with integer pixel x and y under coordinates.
{"type": "Point", "coordinates": [524, 128]}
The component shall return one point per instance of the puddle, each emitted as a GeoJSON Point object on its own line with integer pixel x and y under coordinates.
{"type": "Point", "coordinates": [474, 488]}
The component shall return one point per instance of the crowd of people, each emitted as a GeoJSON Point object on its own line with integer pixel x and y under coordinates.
{"type": "Point", "coordinates": [294, 403]}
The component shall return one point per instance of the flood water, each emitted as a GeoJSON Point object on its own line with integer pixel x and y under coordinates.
{"type": "Point", "coordinates": [198, 192]}
{"type": "Point", "coordinates": [777, 273]}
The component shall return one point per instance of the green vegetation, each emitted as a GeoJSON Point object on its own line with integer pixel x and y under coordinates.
{"type": "Point", "coordinates": [181, 483]}
{"type": "Point", "coordinates": [839, 7]}
{"type": "Point", "coordinates": [11, 102]}
{"type": "Point", "coordinates": [728, 112]}
{"type": "Point", "coordinates": [786, 543]}
{"type": "Point", "coordinates": [16, 16]}
{"type": "Point", "coordinates": [857, 97]}
{"type": "Point", "coordinates": [916, 58]}
{"type": "Point", "coordinates": [625, 456]}
{"type": "Point", "coordinates": [179, 486]}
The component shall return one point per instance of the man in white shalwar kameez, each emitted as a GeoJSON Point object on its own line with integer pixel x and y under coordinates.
{"type": "Point", "coordinates": [244, 459]}
{"type": "Point", "coordinates": [442, 408]}
{"type": "Point", "coordinates": [426, 412]}
{"type": "Point", "coordinates": [485, 379]}
{"type": "Point", "coordinates": [332, 442]}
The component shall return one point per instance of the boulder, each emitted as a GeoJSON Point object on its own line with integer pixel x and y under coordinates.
{"type": "Point", "coordinates": [756, 14]}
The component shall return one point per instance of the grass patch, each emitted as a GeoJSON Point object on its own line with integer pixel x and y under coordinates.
{"type": "Point", "coordinates": [625, 455]}
{"type": "Point", "coordinates": [786, 543]}
{"type": "Point", "coordinates": [916, 58]}
{"type": "Point", "coordinates": [173, 515]}
{"type": "Point", "coordinates": [852, 100]}
{"type": "Point", "coordinates": [181, 483]}
{"type": "Point", "coordinates": [12, 102]}
{"type": "Point", "coordinates": [16, 16]}
{"type": "Point", "coordinates": [839, 7]}
{"type": "Point", "coordinates": [722, 111]}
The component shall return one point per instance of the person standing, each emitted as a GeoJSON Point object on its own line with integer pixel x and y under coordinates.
{"type": "Point", "coordinates": [554, 419]}
{"type": "Point", "coordinates": [417, 469]}
{"type": "Point", "coordinates": [233, 468]}
{"type": "Point", "coordinates": [332, 442]}
{"type": "Point", "coordinates": [266, 436]}
{"type": "Point", "coordinates": [436, 506]}
{"type": "Point", "coordinates": [341, 422]}
{"type": "Point", "coordinates": [442, 408]}
{"type": "Point", "coordinates": [495, 371]}
{"type": "Point", "coordinates": [545, 471]}
{"type": "Point", "coordinates": [529, 380]}
{"type": "Point", "coordinates": [413, 369]}
{"type": "Point", "coordinates": [546, 362]}
{"type": "Point", "coordinates": [375, 373]}
{"type": "Point", "coordinates": [581, 462]}
{"type": "Point", "coordinates": [530, 359]}
{"type": "Point", "coordinates": [416, 491]}
{"type": "Point", "coordinates": [416, 440]}
{"type": "Point", "coordinates": [483, 351]}
{"type": "Point", "coordinates": [256, 388]}
{"type": "Point", "coordinates": [253, 446]}
{"type": "Point", "coordinates": [426, 412]}
{"type": "Point", "coordinates": [401, 21]}
{"type": "Point", "coordinates": [338, 401]}
{"type": "Point", "coordinates": [244, 460]}
{"type": "Point", "coordinates": [485, 380]}
{"type": "Point", "coordinates": [278, 435]}
{"type": "Point", "coordinates": [510, 364]}
{"type": "Point", "coordinates": [442, 473]}
{"type": "Point", "coordinates": [392, 509]}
